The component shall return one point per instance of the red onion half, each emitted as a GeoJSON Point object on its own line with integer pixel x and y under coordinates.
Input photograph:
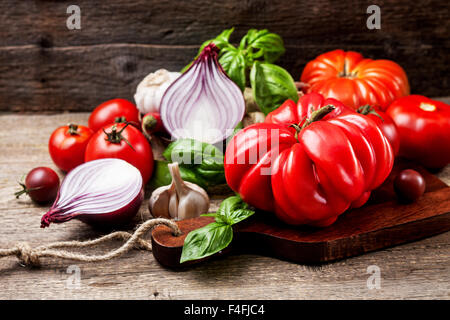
{"type": "Point", "coordinates": [204, 103]}
{"type": "Point", "coordinates": [103, 192]}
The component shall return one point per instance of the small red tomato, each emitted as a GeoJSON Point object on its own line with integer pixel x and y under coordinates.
{"type": "Point", "coordinates": [125, 142]}
{"type": "Point", "coordinates": [409, 185]}
{"type": "Point", "coordinates": [424, 128]}
{"type": "Point", "coordinates": [152, 123]}
{"type": "Point", "coordinates": [67, 145]}
{"type": "Point", "coordinates": [41, 184]}
{"type": "Point", "coordinates": [385, 123]}
{"type": "Point", "coordinates": [113, 111]}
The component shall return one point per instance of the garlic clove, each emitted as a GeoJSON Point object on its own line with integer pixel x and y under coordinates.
{"type": "Point", "coordinates": [194, 203]}
{"type": "Point", "coordinates": [179, 200]}
{"type": "Point", "coordinates": [173, 206]}
{"type": "Point", "coordinates": [159, 202]}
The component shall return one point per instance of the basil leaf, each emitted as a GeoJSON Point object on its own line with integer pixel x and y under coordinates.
{"type": "Point", "coordinates": [268, 45]}
{"type": "Point", "coordinates": [271, 85]}
{"type": "Point", "coordinates": [202, 160]}
{"type": "Point", "coordinates": [161, 176]}
{"type": "Point", "coordinates": [230, 204]}
{"type": "Point", "coordinates": [192, 152]}
{"type": "Point", "coordinates": [239, 215]}
{"type": "Point", "coordinates": [232, 61]}
{"type": "Point", "coordinates": [217, 235]}
{"type": "Point", "coordinates": [206, 241]}
{"type": "Point", "coordinates": [234, 210]}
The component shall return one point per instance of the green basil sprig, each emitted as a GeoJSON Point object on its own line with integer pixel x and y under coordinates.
{"type": "Point", "coordinates": [216, 236]}
{"type": "Point", "coordinates": [256, 53]}
{"type": "Point", "coordinates": [200, 163]}
{"type": "Point", "coordinates": [271, 86]}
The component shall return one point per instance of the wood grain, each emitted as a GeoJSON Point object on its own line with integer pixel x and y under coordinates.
{"type": "Point", "coordinates": [46, 67]}
{"type": "Point", "coordinates": [418, 270]}
{"type": "Point", "coordinates": [376, 225]}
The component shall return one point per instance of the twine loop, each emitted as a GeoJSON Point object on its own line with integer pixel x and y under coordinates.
{"type": "Point", "coordinates": [29, 256]}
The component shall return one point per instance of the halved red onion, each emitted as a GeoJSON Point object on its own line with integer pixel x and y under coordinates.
{"type": "Point", "coordinates": [204, 103]}
{"type": "Point", "coordinates": [104, 192]}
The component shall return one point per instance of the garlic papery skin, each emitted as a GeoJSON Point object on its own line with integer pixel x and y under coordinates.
{"type": "Point", "coordinates": [180, 200]}
{"type": "Point", "coordinates": [150, 90]}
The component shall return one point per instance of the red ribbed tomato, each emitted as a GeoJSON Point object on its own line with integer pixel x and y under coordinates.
{"type": "Point", "coordinates": [312, 174]}
{"type": "Point", "coordinates": [355, 80]}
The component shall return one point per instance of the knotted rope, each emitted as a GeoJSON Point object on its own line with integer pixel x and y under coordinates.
{"type": "Point", "coordinates": [31, 256]}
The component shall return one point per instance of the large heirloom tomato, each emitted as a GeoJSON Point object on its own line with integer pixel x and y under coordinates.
{"type": "Point", "coordinates": [354, 80]}
{"type": "Point", "coordinates": [424, 128]}
{"type": "Point", "coordinates": [312, 173]}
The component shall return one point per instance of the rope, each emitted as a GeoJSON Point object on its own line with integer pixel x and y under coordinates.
{"type": "Point", "coordinates": [31, 256]}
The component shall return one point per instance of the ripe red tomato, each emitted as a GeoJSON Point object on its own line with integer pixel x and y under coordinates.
{"type": "Point", "coordinates": [424, 128]}
{"type": "Point", "coordinates": [354, 80]}
{"type": "Point", "coordinates": [122, 141]}
{"type": "Point", "coordinates": [67, 146]}
{"type": "Point", "coordinates": [114, 111]}
{"type": "Point", "coordinates": [386, 125]}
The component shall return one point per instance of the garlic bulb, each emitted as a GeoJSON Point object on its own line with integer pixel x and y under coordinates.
{"type": "Point", "coordinates": [179, 200]}
{"type": "Point", "coordinates": [151, 89]}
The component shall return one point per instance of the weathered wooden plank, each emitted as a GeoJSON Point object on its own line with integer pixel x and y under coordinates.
{"type": "Point", "coordinates": [188, 22]}
{"type": "Point", "coordinates": [46, 67]}
{"type": "Point", "coordinates": [418, 270]}
{"type": "Point", "coordinates": [79, 78]}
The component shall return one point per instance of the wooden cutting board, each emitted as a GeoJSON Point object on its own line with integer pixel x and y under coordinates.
{"type": "Point", "coordinates": [382, 222]}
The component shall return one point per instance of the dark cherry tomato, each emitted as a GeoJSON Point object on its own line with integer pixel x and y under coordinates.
{"type": "Point", "coordinates": [152, 123]}
{"type": "Point", "coordinates": [409, 185]}
{"type": "Point", "coordinates": [385, 123]}
{"type": "Point", "coordinates": [41, 184]}
{"type": "Point", "coordinates": [114, 111]}
{"type": "Point", "coordinates": [125, 142]}
{"type": "Point", "coordinates": [67, 145]}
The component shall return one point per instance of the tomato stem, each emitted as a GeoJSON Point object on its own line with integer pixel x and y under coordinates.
{"type": "Point", "coordinates": [116, 136]}
{"type": "Point", "coordinates": [73, 129]}
{"type": "Point", "coordinates": [315, 116]}
{"type": "Point", "coordinates": [121, 119]}
{"type": "Point", "coordinates": [25, 190]}
{"type": "Point", "coordinates": [318, 115]}
{"type": "Point", "coordinates": [368, 109]}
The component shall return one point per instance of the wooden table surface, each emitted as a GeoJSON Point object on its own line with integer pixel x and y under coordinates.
{"type": "Point", "coordinates": [416, 270]}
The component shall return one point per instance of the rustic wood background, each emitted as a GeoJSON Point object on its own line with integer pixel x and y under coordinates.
{"type": "Point", "coordinates": [46, 67]}
{"type": "Point", "coordinates": [418, 270]}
